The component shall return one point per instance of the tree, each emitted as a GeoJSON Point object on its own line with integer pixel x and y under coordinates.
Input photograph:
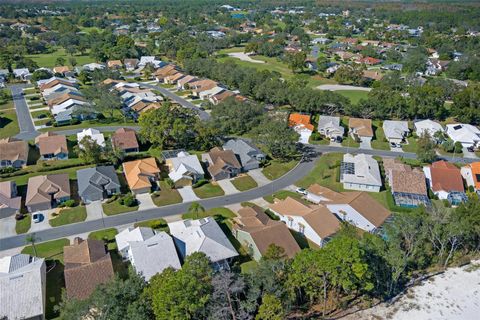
{"type": "Point", "coordinates": [89, 151]}
{"type": "Point", "coordinates": [426, 148]}
{"type": "Point", "coordinates": [278, 139]}
{"type": "Point", "coordinates": [466, 104]}
{"type": "Point", "coordinates": [349, 74]}
{"type": "Point", "coordinates": [234, 117]}
{"type": "Point", "coordinates": [60, 61]}
{"type": "Point", "coordinates": [103, 99]}
{"type": "Point", "coordinates": [226, 296]}
{"type": "Point", "coordinates": [113, 154]}
{"type": "Point", "coordinates": [196, 209]}
{"type": "Point", "coordinates": [415, 60]}
{"type": "Point", "coordinates": [32, 239]}
{"type": "Point", "coordinates": [270, 309]}
{"type": "Point", "coordinates": [41, 74]}
{"type": "Point", "coordinates": [72, 61]}
{"type": "Point", "coordinates": [296, 60]}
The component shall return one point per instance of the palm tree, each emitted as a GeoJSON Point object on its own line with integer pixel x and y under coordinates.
{"type": "Point", "coordinates": [31, 238]}
{"type": "Point", "coordinates": [195, 209]}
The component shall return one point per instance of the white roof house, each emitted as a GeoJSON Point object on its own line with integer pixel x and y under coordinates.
{"type": "Point", "coordinates": [466, 134]}
{"type": "Point", "coordinates": [149, 59]}
{"type": "Point", "coordinates": [185, 165]}
{"type": "Point", "coordinates": [395, 131]}
{"type": "Point", "coordinates": [94, 134]}
{"type": "Point", "coordinates": [23, 73]}
{"type": "Point", "coordinates": [429, 126]}
{"type": "Point", "coordinates": [360, 172]}
{"type": "Point", "coordinates": [93, 66]}
{"type": "Point", "coordinates": [22, 287]}
{"type": "Point", "coordinates": [59, 88]}
{"type": "Point", "coordinates": [330, 127]}
{"type": "Point", "coordinates": [66, 105]}
{"type": "Point", "coordinates": [129, 235]}
{"type": "Point", "coordinates": [203, 235]}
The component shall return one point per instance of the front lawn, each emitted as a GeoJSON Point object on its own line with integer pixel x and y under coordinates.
{"type": "Point", "coordinates": [107, 236]}
{"type": "Point", "coordinates": [244, 183]}
{"type": "Point", "coordinates": [115, 207]}
{"type": "Point", "coordinates": [39, 113]}
{"type": "Point", "coordinates": [275, 168]}
{"type": "Point", "coordinates": [411, 146]}
{"type": "Point", "coordinates": [8, 123]}
{"type": "Point", "coordinates": [283, 194]}
{"type": "Point", "coordinates": [69, 215]}
{"type": "Point", "coordinates": [22, 226]}
{"type": "Point", "coordinates": [166, 195]}
{"type": "Point", "coordinates": [221, 212]}
{"type": "Point", "coordinates": [379, 142]}
{"type": "Point", "coordinates": [326, 173]}
{"type": "Point", "coordinates": [156, 224]}
{"type": "Point", "coordinates": [350, 142]}
{"type": "Point", "coordinates": [208, 190]}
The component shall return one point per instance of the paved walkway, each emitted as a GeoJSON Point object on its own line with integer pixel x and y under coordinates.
{"type": "Point", "coordinates": [244, 57]}
{"type": "Point", "coordinates": [94, 210]}
{"type": "Point", "coordinates": [365, 145]}
{"type": "Point", "coordinates": [145, 201]}
{"type": "Point", "coordinates": [25, 123]}
{"type": "Point", "coordinates": [339, 87]}
{"type": "Point", "coordinates": [227, 186]}
{"type": "Point", "coordinates": [187, 194]}
{"type": "Point", "coordinates": [259, 177]}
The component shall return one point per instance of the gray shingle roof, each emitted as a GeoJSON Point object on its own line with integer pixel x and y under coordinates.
{"type": "Point", "coordinates": [246, 151]}
{"type": "Point", "coordinates": [93, 181]}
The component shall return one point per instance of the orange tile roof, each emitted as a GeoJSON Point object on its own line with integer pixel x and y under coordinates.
{"type": "Point", "coordinates": [138, 172]}
{"type": "Point", "coordinates": [296, 119]}
{"type": "Point", "coordinates": [446, 177]}
{"type": "Point", "coordinates": [475, 167]}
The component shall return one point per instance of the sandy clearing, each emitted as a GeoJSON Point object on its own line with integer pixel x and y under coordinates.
{"type": "Point", "coordinates": [337, 87]}
{"type": "Point", "coordinates": [244, 57]}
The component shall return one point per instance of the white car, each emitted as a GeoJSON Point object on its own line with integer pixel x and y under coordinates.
{"type": "Point", "coordinates": [37, 217]}
{"type": "Point", "coordinates": [301, 191]}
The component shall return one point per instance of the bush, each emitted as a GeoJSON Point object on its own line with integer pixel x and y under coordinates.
{"type": "Point", "coordinates": [128, 201]}
{"type": "Point", "coordinates": [200, 183]}
{"type": "Point", "coordinates": [170, 183]}
{"type": "Point", "coordinates": [42, 115]}
{"type": "Point", "coordinates": [69, 203]}
{"type": "Point", "coordinates": [316, 136]}
{"type": "Point", "coordinates": [34, 98]}
{"type": "Point", "coordinates": [19, 216]}
{"type": "Point", "coordinates": [74, 121]}
{"type": "Point", "coordinates": [8, 170]}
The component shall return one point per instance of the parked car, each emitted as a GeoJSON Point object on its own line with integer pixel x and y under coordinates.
{"type": "Point", "coordinates": [37, 217]}
{"type": "Point", "coordinates": [301, 191]}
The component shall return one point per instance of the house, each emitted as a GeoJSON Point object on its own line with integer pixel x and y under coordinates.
{"type": "Point", "coordinates": [408, 186]}
{"type": "Point", "coordinates": [67, 102]}
{"type": "Point", "coordinates": [10, 202]}
{"type": "Point", "coordinates": [94, 134]}
{"type": "Point", "coordinates": [427, 126]}
{"type": "Point", "coordinates": [222, 96]}
{"type": "Point", "coordinates": [97, 183]}
{"type": "Point", "coordinates": [372, 75]}
{"type": "Point", "coordinates": [360, 172]}
{"type": "Point", "coordinates": [361, 129]}
{"type": "Point", "coordinates": [130, 64]}
{"type": "Point", "coordinates": [184, 83]}
{"type": "Point", "coordinates": [357, 208]}
{"type": "Point", "coordinates": [141, 175]}
{"type": "Point", "coordinates": [87, 265]}
{"type": "Point", "coordinates": [206, 92]}
{"type": "Point", "coordinates": [172, 79]}
{"type": "Point", "coordinates": [23, 287]}
{"type": "Point", "coordinates": [46, 192]}
{"type": "Point", "coordinates": [199, 87]}
{"type": "Point", "coordinates": [13, 153]}
{"type": "Point", "coordinates": [148, 252]}
{"type": "Point", "coordinates": [114, 64]}
{"type": "Point", "coordinates": [144, 60]}
{"type": "Point", "coordinates": [165, 71]}
{"type": "Point", "coordinates": [369, 61]}
{"type": "Point", "coordinates": [445, 180]}
{"type": "Point", "coordinates": [64, 71]}
{"type": "Point", "coordinates": [395, 131]}
{"type": "Point", "coordinates": [467, 134]}
{"type": "Point", "coordinates": [125, 139]}
{"type": "Point", "coordinates": [22, 74]}
{"type": "Point", "coordinates": [256, 231]}
{"type": "Point", "coordinates": [249, 155]}
{"type": "Point", "coordinates": [93, 66]}
{"type": "Point", "coordinates": [330, 127]}
{"type": "Point", "coordinates": [301, 124]}
{"type": "Point", "coordinates": [471, 174]}
{"type": "Point", "coordinates": [320, 40]}
{"type": "Point", "coordinates": [223, 164]}
{"type": "Point", "coordinates": [316, 222]}
{"type": "Point", "coordinates": [52, 146]}
{"type": "Point", "coordinates": [203, 235]}
{"type": "Point", "coordinates": [184, 169]}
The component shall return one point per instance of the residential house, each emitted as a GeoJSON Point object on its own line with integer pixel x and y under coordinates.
{"type": "Point", "coordinates": [13, 153]}
{"type": "Point", "coordinates": [144, 60]}
{"type": "Point", "coordinates": [360, 172]}
{"type": "Point", "coordinates": [67, 102]}
{"type": "Point", "coordinates": [330, 127]}
{"type": "Point", "coordinates": [471, 174]}
{"type": "Point", "coordinates": [64, 71]}
{"type": "Point", "coordinates": [395, 131]}
{"type": "Point", "coordinates": [125, 139]}
{"type": "Point", "coordinates": [427, 126]}
{"type": "Point", "coordinates": [320, 40]}
{"type": "Point", "coordinates": [130, 64]}
{"type": "Point", "coordinates": [142, 175]}
{"type": "Point", "coordinates": [52, 146]}
{"type": "Point", "coordinates": [203, 235]}
{"type": "Point", "coordinates": [436, 66]}
{"type": "Point", "coordinates": [257, 232]}
{"type": "Point", "coordinates": [301, 124]}
{"type": "Point", "coordinates": [87, 265]}
{"type": "Point", "coordinates": [184, 83]}
{"type": "Point", "coordinates": [361, 129]}
{"type": "Point", "coordinates": [46, 192]}
{"type": "Point", "coordinates": [369, 61]}
{"type": "Point", "coordinates": [10, 201]}
{"type": "Point", "coordinates": [165, 71]}
{"type": "Point", "coordinates": [148, 252]}
{"type": "Point", "coordinates": [221, 96]}
{"type": "Point", "coordinates": [94, 134]}
{"type": "Point", "coordinates": [445, 180]}
{"type": "Point", "coordinates": [199, 87]}
{"type": "Point", "coordinates": [173, 79]}
{"type": "Point", "coordinates": [93, 66]}
{"type": "Point", "coordinates": [357, 208]}
{"type": "Point", "coordinates": [467, 134]}
{"type": "Point", "coordinates": [23, 287]}
{"type": "Point", "coordinates": [207, 93]}
{"type": "Point", "coordinates": [22, 74]}
{"type": "Point", "coordinates": [184, 169]}
{"type": "Point", "coordinates": [315, 222]}
{"type": "Point", "coordinates": [114, 64]}
{"type": "Point", "coordinates": [249, 155]}
{"type": "Point", "coordinates": [97, 183]}
{"type": "Point", "coordinates": [372, 75]}
{"type": "Point", "coordinates": [408, 186]}
{"type": "Point", "coordinates": [223, 164]}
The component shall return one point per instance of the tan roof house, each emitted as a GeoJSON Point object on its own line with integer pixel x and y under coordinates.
{"type": "Point", "coordinates": [13, 153]}
{"type": "Point", "coordinates": [361, 128]}
{"type": "Point", "coordinates": [223, 164]}
{"type": "Point", "coordinates": [115, 64]}
{"type": "Point", "coordinates": [87, 265]}
{"type": "Point", "coordinates": [52, 146]}
{"type": "Point", "coordinates": [256, 231]}
{"type": "Point", "coordinates": [10, 202]}
{"type": "Point", "coordinates": [62, 70]}
{"type": "Point", "coordinates": [45, 192]}
{"type": "Point", "coordinates": [141, 175]}
{"type": "Point", "coordinates": [125, 139]}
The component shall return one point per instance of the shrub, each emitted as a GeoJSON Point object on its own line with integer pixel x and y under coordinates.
{"type": "Point", "coordinates": [69, 203]}
{"type": "Point", "coordinates": [19, 216]}
{"type": "Point", "coordinates": [34, 98]}
{"type": "Point", "coordinates": [74, 121]}
{"type": "Point", "coordinates": [170, 183]}
{"type": "Point", "coordinates": [129, 201]}
{"type": "Point", "coordinates": [200, 183]}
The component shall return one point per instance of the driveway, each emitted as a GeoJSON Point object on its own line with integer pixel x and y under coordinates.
{"type": "Point", "coordinates": [187, 194]}
{"type": "Point", "coordinates": [258, 176]}
{"type": "Point", "coordinates": [468, 154]}
{"type": "Point", "coordinates": [365, 145]}
{"type": "Point", "coordinates": [227, 186]}
{"type": "Point", "coordinates": [25, 123]}
{"type": "Point", "coordinates": [7, 227]}
{"type": "Point", "coordinates": [145, 201]}
{"type": "Point", "coordinates": [94, 210]}
{"type": "Point", "coordinates": [339, 87]}
{"type": "Point", "coordinates": [43, 225]}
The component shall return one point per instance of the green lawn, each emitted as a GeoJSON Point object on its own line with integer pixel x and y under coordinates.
{"type": "Point", "coordinates": [22, 226]}
{"type": "Point", "coordinates": [379, 141]}
{"type": "Point", "coordinates": [43, 122]}
{"type": "Point", "coordinates": [157, 224]}
{"type": "Point", "coordinates": [244, 183]}
{"type": "Point", "coordinates": [411, 146]}
{"type": "Point", "coordinates": [47, 60]}
{"type": "Point", "coordinates": [354, 95]}
{"type": "Point", "coordinates": [350, 142]}
{"type": "Point", "coordinates": [69, 215]}
{"type": "Point", "coordinates": [221, 212]}
{"type": "Point", "coordinates": [8, 123]}
{"type": "Point", "coordinates": [248, 266]}
{"type": "Point", "coordinates": [107, 235]}
{"type": "Point", "coordinates": [115, 207]}
{"type": "Point", "coordinates": [166, 195]}
{"type": "Point", "coordinates": [92, 123]}
{"type": "Point", "coordinates": [275, 169]}
{"type": "Point", "coordinates": [282, 194]}
{"type": "Point", "coordinates": [326, 172]}
{"type": "Point", "coordinates": [36, 114]}
{"type": "Point", "coordinates": [208, 190]}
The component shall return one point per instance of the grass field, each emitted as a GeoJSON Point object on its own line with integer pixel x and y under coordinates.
{"type": "Point", "coordinates": [69, 215]}
{"type": "Point", "coordinates": [244, 183]}
{"type": "Point", "coordinates": [276, 169]}
{"type": "Point", "coordinates": [22, 226]}
{"type": "Point", "coordinates": [166, 195]}
{"type": "Point", "coordinates": [379, 141]}
{"type": "Point", "coordinates": [354, 95]}
{"type": "Point", "coordinates": [282, 194]}
{"type": "Point", "coordinates": [8, 122]}
{"type": "Point", "coordinates": [115, 207]}
{"type": "Point", "coordinates": [209, 190]}
{"type": "Point", "coordinates": [411, 146]}
{"type": "Point", "coordinates": [157, 224]}
{"type": "Point", "coordinates": [106, 235]}
{"type": "Point", "coordinates": [47, 60]}
{"type": "Point", "coordinates": [222, 212]}
{"type": "Point", "coordinates": [325, 173]}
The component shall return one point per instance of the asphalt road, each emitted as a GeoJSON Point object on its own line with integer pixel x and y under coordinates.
{"type": "Point", "coordinates": [25, 123]}
{"type": "Point", "coordinates": [184, 103]}
{"type": "Point", "coordinates": [301, 170]}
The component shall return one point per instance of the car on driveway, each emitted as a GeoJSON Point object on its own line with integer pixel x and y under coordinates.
{"type": "Point", "coordinates": [37, 217]}
{"type": "Point", "coordinates": [301, 191]}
